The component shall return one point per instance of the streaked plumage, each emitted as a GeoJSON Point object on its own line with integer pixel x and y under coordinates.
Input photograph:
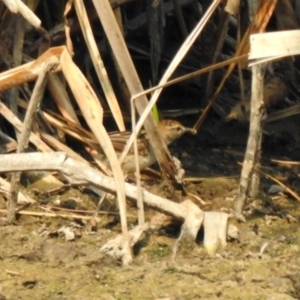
{"type": "Point", "coordinates": [169, 130]}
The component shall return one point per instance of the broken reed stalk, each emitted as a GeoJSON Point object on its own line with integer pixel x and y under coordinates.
{"type": "Point", "coordinates": [249, 180]}
{"type": "Point", "coordinates": [129, 72]}
{"type": "Point", "coordinates": [140, 203]}
{"type": "Point", "coordinates": [98, 64]}
{"type": "Point", "coordinates": [34, 103]}
{"type": "Point", "coordinates": [93, 114]}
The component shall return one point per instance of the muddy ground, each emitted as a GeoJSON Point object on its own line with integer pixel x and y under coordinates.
{"type": "Point", "coordinates": [38, 263]}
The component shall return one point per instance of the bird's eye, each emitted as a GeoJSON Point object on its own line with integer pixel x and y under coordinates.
{"type": "Point", "coordinates": [178, 128]}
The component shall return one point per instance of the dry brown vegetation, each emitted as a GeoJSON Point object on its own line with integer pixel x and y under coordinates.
{"type": "Point", "coordinates": [74, 71]}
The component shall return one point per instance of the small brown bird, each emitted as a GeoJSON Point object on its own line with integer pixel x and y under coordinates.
{"type": "Point", "coordinates": [275, 91]}
{"type": "Point", "coordinates": [169, 131]}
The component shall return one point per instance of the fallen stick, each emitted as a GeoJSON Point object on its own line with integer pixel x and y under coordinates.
{"type": "Point", "coordinates": [79, 173]}
{"type": "Point", "coordinates": [51, 215]}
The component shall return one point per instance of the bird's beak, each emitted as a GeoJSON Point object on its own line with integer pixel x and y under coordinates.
{"type": "Point", "coordinates": [190, 130]}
